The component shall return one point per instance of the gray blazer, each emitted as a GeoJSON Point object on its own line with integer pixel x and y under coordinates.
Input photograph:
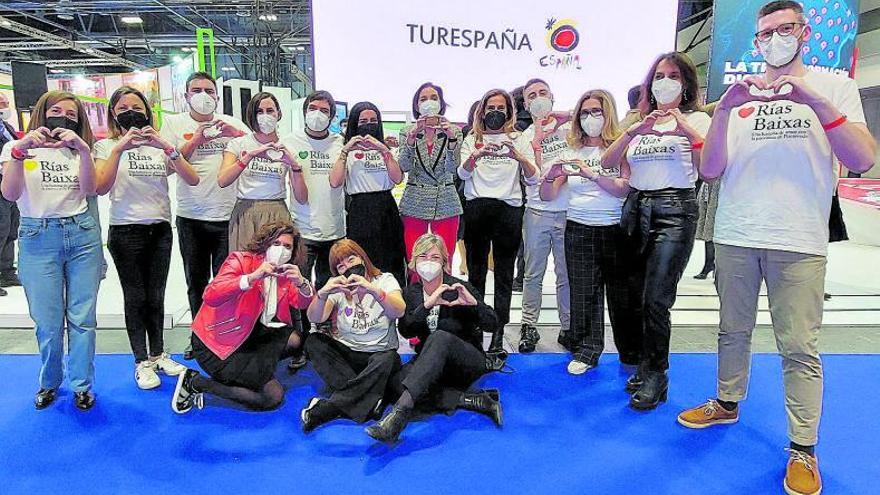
{"type": "Point", "coordinates": [430, 192]}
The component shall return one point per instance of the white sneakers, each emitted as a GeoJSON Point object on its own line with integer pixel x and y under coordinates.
{"type": "Point", "coordinates": [169, 366]}
{"type": "Point", "coordinates": [576, 367]}
{"type": "Point", "coordinates": [146, 373]}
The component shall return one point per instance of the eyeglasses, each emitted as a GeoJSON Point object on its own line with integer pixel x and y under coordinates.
{"type": "Point", "coordinates": [595, 112]}
{"type": "Point", "coordinates": [783, 30]}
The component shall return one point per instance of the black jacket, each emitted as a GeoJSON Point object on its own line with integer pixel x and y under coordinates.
{"type": "Point", "coordinates": [12, 132]}
{"type": "Point", "coordinates": [465, 322]}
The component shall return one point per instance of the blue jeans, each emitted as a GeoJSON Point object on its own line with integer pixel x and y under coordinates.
{"type": "Point", "coordinates": [59, 263]}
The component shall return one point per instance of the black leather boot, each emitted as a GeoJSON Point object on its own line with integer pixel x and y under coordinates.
{"type": "Point", "coordinates": [389, 428]}
{"type": "Point", "coordinates": [483, 403]}
{"type": "Point", "coordinates": [45, 397]}
{"type": "Point", "coordinates": [634, 382]}
{"type": "Point", "coordinates": [529, 338]}
{"type": "Point", "coordinates": [652, 392]}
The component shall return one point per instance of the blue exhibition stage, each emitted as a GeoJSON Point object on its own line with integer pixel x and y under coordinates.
{"type": "Point", "coordinates": [562, 434]}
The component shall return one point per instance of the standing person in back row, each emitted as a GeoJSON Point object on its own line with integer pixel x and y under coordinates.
{"type": "Point", "coordinates": [320, 220]}
{"type": "Point", "coordinates": [776, 154]}
{"type": "Point", "coordinates": [203, 211]}
{"type": "Point", "coordinates": [544, 220]}
{"type": "Point", "coordinates": [9, 215]}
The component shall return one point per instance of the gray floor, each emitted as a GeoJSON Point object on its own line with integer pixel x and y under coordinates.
{"type": "Point", "coordinates": [833, 339]}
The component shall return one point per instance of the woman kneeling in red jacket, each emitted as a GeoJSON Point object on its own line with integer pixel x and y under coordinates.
{"type": "Point", "coordinates": [238, 339]}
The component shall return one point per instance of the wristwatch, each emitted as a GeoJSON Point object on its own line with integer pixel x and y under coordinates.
{"type": "Point", "coordinates": [172, 153]}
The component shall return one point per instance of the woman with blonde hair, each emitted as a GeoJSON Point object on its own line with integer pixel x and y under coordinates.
{"type": "Point", "coordinates": [493, 164]}
{"type": "Point", "coordinates": [597, 252]}
{"type": "Point", "coordinates": [449, 317]}
{"type": "Point", "coordinates": [358, 357]}
{"type": "Point", "coordinates": [49, 173]}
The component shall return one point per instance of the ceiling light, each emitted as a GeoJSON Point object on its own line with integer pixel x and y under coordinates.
{"type": "Point", "coordinates": [56, 71]}
{"type": "Point", "coordinates": [243, 13]}
{"type": "Point", "coordinates": [4, 22]}
{"type": "Point", "coordinates": [64, 16]}
{"type": "Point", "coordinates": [228, 69]}
{"type": "Point", "coordinates": [131, 19]}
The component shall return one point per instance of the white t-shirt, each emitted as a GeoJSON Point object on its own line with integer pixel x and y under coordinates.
{"type": "Point", "coordinates": [140, 193]}
{"type": "Point", "coordinates": [776, 189]}
{"type": "Point", "coordinates": [51, 183]}
{"type": "Point", "coordinates": [206, 201]}
{"type": "Point", "coordinates": [660, 162]}
{"type": "Point", "coordinates": [322, 218]}
{"type": "Point", "coordinates": [366, 171]}
{"type": "Point", "coordinates": [263, 178]}
{"type": "Point", "coordinates": [552, 146]}
{"type": "Point", "coordinates": [363, 326]}
{"type": "Point", "coordinates": [496, 177]}
{"type": "Point", "coordinates": [589, 204]}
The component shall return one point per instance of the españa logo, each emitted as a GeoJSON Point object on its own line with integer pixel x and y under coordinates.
{"type": "Point", "coordinates": [562, 35]}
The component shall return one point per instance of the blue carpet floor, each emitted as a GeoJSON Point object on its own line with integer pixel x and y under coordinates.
{"type": "Point", "coordinates": [562, 434]}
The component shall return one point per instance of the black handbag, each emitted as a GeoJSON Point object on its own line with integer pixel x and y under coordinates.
{"type": "Point", "coordinates": [629, 217]}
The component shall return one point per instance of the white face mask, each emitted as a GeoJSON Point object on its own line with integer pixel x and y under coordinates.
{"type": "Point", "coordinates": [780, 50]}
{"type": "Point", "coordinates": [278, 255]}
{"type": "Point", "coordinates": [429, 108]}
{"type": "Point", "coordinates": [317, 121]}
{"type": "Point", "coordinates": [267, 123]}
{"type": "Point", "coordinates": [5, 113]}
{"type": "Point", "coordinates": [592, 125]}
{"type": "Point", "coordinates": [665, 90]}
{"type": "Point", "coordinates": [429, 270]}
{"type": "Point", "coordinates": [540, 107]}
{"type": "Point", "coordinates": [202, 103]}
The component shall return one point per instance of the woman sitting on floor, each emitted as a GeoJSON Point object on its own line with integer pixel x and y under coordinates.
{"type": "Point", "coordinates": [359, 356]}
{"type": "Point", "coordinates": [448, 316]}
{"type": "Point", "coordinates": [237, 339]}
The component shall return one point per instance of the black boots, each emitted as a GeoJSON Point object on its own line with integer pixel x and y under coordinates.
{"type": "Point", "coordinates": [84, 400]}
{"type": "Point", "coordinates": [652, 392]}
{"type": "Point", "coordinates": [318, 412]}
{"type": "Point", "coordinates": [483, 402]}
{"type": "Point", "coordinates": [634, 382]}
{"type": "Point", "coordinates": [389, 428]}
{"type": "Point", "coordinates": [529, 337]}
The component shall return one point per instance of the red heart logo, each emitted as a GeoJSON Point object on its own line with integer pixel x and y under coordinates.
{"type": "Point", "coordinates": [359, 155]}
{"type": "Point", "coordinates": [478, 145]}
{"type": "Point", "coordinates": [746, 111]}
{"type": "Point", "coordinates": [188, 136]}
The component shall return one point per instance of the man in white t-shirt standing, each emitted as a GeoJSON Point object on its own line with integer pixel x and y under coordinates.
{"type": "Point", "coordinates": [203, 211]}
{"type": "Point", "coordinates": [544, 221]}
{"type": "Point", "coordinates": [321, 220]}
{"type": "Point", "coordinates": [777, 152]}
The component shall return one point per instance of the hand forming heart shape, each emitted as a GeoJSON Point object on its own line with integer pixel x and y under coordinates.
{"type": "Point", "coordinates": [770, 94]}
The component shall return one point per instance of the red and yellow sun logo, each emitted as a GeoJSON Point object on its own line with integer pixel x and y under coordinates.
{"type": "Point", "coordinates": [562, 35]}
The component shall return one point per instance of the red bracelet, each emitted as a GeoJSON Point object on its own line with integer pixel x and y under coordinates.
{"type": "Point", "coordinates": [240, 163]}
{"type": "Point", "coordinates": [17, 154]}
{"type": "Point", "coordinates": [382, 295]}
{"type": "Point", "coordinates": [834, 123]}
{"type": "Point", "coordinates": [698, 145]}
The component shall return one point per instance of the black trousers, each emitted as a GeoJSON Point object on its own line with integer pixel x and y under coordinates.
{"type": "Point", "coordinates": [317, 259]}
{"type": "Point", "coordinates": [492, 223]}
{"type": "Point", "coordinates": [142, 254]}
{"type": "Point", "coordinates": [445, 368]}
{"type": "Point", "coordinates": [598, 259]}
{"type": "Point", "coordinates": [357, 380]}
{"type": "Point", "coordinates": [374, 222]}
{"type": "Point", "coordinates": [9, 222]}
{"type": "Point", "coordinates": [667, 226]}
{"type": "Point", "coordinates": [204, 247]}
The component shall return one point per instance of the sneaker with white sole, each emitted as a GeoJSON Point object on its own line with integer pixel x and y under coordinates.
{"type": "Point", "coordinates": [169, 366]}
{"type": "Point", "coordinates": [145, 375]}
{"type": "Point", "coordinates": [576, 367]}
{"type": "Point", "coordinates": [185, 395]}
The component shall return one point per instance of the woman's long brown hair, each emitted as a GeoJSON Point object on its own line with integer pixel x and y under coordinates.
{"type": "Point", "coordinates": [50, 98]}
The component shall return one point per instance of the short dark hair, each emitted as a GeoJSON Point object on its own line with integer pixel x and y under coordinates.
{"type": "Point", "coordinates": [633, 96]}
{"type": "Point", "coordinates": [415, 101]}
{"type": "Point", "coordinates": [778, 5]}
{"type": "Point", "coordinates": [250, 112]}
{"type": "Point", "coordinates": [200, 75]}
{"type": "Point", "coordinates": [534, 80]}
{"type": "Point", "coordinates": [320, 95]}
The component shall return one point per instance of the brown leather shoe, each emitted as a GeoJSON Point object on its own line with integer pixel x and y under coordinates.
{"type": "Point", "coordinates": [802, 474]}
{"type": "Point", "coordinates": [709, 414]}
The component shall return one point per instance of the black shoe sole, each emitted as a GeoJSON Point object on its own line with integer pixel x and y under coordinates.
{"type": "Point", "coordinates": [85, 406]}
{"type": "Point", "coordinates": [39, 406]}
{"type": "Point", "coordinates": [631, 389]}
{"type": "Point", "coordinates": [647, 406]}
